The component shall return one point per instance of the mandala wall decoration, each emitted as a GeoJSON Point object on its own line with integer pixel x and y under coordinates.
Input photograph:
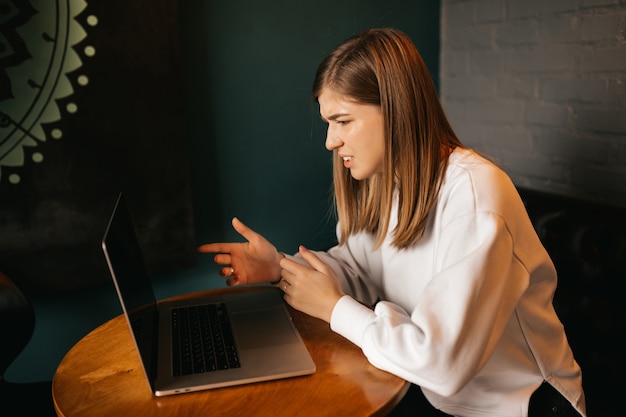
{"type": "Point", "coordinates": [36, 54]}
{"type": "Point", "coordinates": [90, 104]}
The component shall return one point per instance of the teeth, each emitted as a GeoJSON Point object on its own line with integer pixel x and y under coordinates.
{"type": "Point", "coordinates": [347, 158]}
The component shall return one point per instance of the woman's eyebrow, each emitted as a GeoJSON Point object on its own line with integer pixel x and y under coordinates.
{"type": "Point", "coordinates": [334, 116]}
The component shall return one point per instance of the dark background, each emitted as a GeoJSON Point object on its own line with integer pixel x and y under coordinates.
{"type": "Point", "coordinates": [257, 143]}
{"type": "Point", "coordinates": [199, 111]}
{"type": "Point", "coordinates": [129, 133]}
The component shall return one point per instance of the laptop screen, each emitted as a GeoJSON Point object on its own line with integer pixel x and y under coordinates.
{"type": "Point", "coordinates": [132, 282]}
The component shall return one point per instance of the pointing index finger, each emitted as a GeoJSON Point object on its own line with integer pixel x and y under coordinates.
{"type": "Point", "coordinates": [214, 248]}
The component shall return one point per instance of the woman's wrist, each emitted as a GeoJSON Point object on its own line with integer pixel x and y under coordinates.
{"type": "Point", "coordinates": [281, 256]}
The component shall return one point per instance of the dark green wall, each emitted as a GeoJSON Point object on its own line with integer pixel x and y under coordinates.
{"type": "Point", "coordinates": [257, 145]}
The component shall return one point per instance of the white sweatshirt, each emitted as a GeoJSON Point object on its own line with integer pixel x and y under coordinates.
{"type": "Point", "coordinates": [467, 312]}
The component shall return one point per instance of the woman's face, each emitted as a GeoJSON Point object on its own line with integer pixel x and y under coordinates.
{"type": "Point", "coordinates": [355, 131]}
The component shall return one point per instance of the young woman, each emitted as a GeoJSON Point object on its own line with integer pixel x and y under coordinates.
{"type": "Point", "coordinates": [438, 276]}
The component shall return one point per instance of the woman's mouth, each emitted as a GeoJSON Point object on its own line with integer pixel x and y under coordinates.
{"type": "Point", "coordinates": [347, 161]}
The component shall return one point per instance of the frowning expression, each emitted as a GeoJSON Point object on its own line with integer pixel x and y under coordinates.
{"type": "Point", "coordinates": [355, 131]}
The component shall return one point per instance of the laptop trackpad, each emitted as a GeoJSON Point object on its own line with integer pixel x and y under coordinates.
{"type": "Point", "coordinates": [263, 328]}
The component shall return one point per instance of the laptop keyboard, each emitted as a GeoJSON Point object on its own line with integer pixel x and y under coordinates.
{"type": "Point", "coordinates": [205, 340]}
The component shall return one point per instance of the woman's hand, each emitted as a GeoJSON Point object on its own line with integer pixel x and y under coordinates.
{"type": "Point", "coordinates": [313, 289]}
{"type": "Point", "coordinates": [253, 262]}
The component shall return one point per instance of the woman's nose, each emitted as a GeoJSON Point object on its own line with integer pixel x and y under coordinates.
{"type": "Point", "coordinates": [332, 141]}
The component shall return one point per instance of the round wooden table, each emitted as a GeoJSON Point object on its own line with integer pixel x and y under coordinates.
{"type": "Point", "coordinates": [102, 376]}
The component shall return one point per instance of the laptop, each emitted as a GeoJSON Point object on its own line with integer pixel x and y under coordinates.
{"type": "Point", "coordinates": [264, 343]}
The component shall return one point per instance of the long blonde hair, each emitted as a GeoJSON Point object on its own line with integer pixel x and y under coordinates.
{"type": "Point", "coordinates": [381, 66]}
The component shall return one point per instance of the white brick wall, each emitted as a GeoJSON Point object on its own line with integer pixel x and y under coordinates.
{"type": "Point", "coordinates": [539, 86]}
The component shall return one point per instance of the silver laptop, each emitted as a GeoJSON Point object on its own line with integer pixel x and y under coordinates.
{"type": "Point", "coordinates": [225, 340]}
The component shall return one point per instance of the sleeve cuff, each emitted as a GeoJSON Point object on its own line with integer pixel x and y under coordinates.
{"type": "Point", "coordinates": [350, 319]}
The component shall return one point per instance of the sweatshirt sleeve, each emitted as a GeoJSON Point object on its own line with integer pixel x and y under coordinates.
{"type": "Point", "coordinates": [452, 331]}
